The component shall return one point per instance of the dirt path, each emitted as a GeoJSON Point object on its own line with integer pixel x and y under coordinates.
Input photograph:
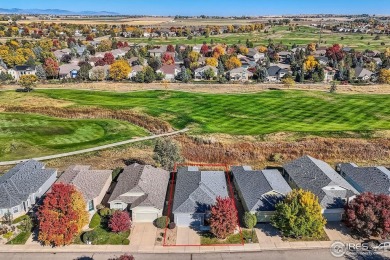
{"type": "Point", "coordinates": [205, 88]}
{"type": "Point", "coordinates": [102, 147]}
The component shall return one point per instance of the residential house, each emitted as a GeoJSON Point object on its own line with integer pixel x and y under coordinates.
{"type": "Point", "coordinates": [199, 72]}
{"type": "Point", "coordinates": [23, 186]}
{"type": "Point", "coordinates": [79, 50]}
{"type": "Point", "coordinates": [366, 179]}
{"type": "Point", "coordinates": [322, 60]}
{"type": "Point", "coordinates": [314, 175]}
{"type": "Point", "coordinates": [118, 53]}
{"type": "Point", "coordinates": [68, 71]}
{"type": "Point", "coordinates": [20, 70]}
{"type": "Point", "coordinates": [246, 62]}
{"type": "Point", "coordinates": [240, 74]}
{"type": "Point", "coordinates": [275, 73]}
{"type": "Point", "coordinates": [195, 192]}
{"type": "Point", "coordinates": [363, 74]}
{"type": "Point", "coordinates": [284, 56]}
{"type": "Point", "coordinates": [170, 71]}
{"type": "Point", "coordinates": [93, 184]}
{"type": "Point", "coordinates": [259, 191]}
{"type": "Point", "coordinates": [157, 52]}
{"type": "Point", "coordinates": [59, 53]}
{"type": "Point", "coordinates": [197, 48]}
{"type": "Point", "coordinates": [329, 74]}
{"type": "Point", "coordinates": [255, 55]}
{"type": "Point", "coordinates": [141, 189]}
{"type": "Point", "coordinates": [77, 33]}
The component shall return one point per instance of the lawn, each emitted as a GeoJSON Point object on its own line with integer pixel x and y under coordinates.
{"type": "Point", "coordinates": [305, 112]}
{"type": "Point", "coordinates": [30, 135]}
{"type": "Point", "coordinates": [303, 35]}
{"type": "Point", "coordinates": [209, 239]}
{"type": "Point", "coordinates": [20, 239]}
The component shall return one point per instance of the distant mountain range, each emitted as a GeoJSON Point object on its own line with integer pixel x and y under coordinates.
{"type": "Point", "coordinates": [52, 12]}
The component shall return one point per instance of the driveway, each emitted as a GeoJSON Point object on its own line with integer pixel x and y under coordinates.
{"type": "Point", "coordinates": [143, 235]}
{"type": "Point", "coordinates": [338, 231]}
{"type": "Point", "coordinates": [187, 236]}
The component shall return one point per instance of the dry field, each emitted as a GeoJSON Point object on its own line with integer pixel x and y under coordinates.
{"type": "Point", "coordinates": [204, 88]}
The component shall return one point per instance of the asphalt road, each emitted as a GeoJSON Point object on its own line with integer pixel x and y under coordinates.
{"type": "Point", "coordinates": [320, 254]}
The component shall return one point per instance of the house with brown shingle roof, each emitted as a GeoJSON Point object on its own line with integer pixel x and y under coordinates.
{"type": "Point", "coordinates": [93, 184]}
{"type": "Point", "coordinates": [141, 189]}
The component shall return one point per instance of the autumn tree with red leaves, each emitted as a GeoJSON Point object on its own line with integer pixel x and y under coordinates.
{"type": "Point", "coordinates": [120, 221]}
{"type": "Point", "coordinates": [223, 220]}
{"type": "Point", "coordinates": [369, 215]}
{"type": "Point", "coordinates": [100, 62]}
{"type": "Point", "coordinates": [170, 48]}
{"type": "Point", "coordinates": [335, 52]}
{"type": "Point", "coordinates": [89, 38]}
{"type": "Point", "coordinates": [167, 59]}
{"type": "Point", "coordinates": [204, 50]}
{"type": "Point", "coordinates": [108, 58]}
{"type": "Point", "coordinates": [62, 215]}
{"type": "Point", "coordinates": [51, 68]}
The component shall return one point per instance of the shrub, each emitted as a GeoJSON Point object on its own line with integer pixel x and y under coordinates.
{"type": "Point", "coordinates": [95, 221]}
{"type": "Point", "coordinates": [166, 153]}
{"type": "Point", "coordinates": [172, 225]}
{"type": "Point", "coordinates": [120, 221]}
{"type": "Point", "coordinates": [250, 220]}
{"type": "Point", "coordinates": [90, 236]}
{"type": "Point", "coordinates": [126, 241]}
{"type": "Point", "coordinates": [8, 235]}
{"type": "Point", "coordinates": [161, 222]}
{"type": "Point", "coordinates": [123, 257]}
{"type": "Point", "coordinates": [104, 212]}
{"type": "Point", "coordinates": [307, 221]}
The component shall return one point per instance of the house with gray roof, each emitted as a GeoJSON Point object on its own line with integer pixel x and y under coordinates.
{"type": "Point", "coordinates": [259, 191]}
{"type": "Point", "coordinates": [23, 186]}
{"type": "Point", "coordinates": [375, 179]}
{"type": "Point", "coordinates": [275, 73]}
{"type": "Point", "coordinates": [314, 175]}
{"type": "Point", "coordinates": [362, 73]}
{"type": "Point", "coordinates": [141, 189]}
{"type": "Point", "coordinates": [195, 192]}
{"type": "Point", "coordinates": [93, 184]}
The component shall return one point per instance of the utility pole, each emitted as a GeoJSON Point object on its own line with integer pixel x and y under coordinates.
{"type": "Point", "coordinates": [320, 32]}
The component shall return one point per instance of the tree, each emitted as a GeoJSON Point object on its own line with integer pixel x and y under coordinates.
{"type": "Point", "coordinates": [62, 215]}
{"type": "Point", "coordinates": [384, 76]}
{"type": "Point", "coordinates": [66, 58]}
{"type": "Point", "coordinates": [108, 58]}
{"type": "Point", "coordinates": [250, 220]}
{"type": "Point", "coordinates": [28, 81]}
{"type": "Point", "coordinates": [232, 63]}
{"type": "Point", "coordinates": [243, 50]}
{"type": "Point", "coordinates": [170, 48]}
{"type": "Point", "coordinates": [288, 81]}
{"type": "Point", "coordinates": [209, 74]}
{"type": "Point", "coordinates": [167, 59]}
{"type": "Point", "coordinates": [262, 49]}
{"type": "Point", "coordinates": [369, 215]}
{"type": "Point", "coordinates": [100, 62]}
{"type": "Point", "coordinates": [335, 52]}
{"type": "Point", "coordinates": [40, 72]}
{"type": "Point", "coordinates": [223, 219]}
{"type": "Point", "coordinates": [310, 63]}
{"type": "Point", "coordinates": [97, 74]}
{"type": "Point", "coordinates": [51, 68]}
{"type": "Point", "coordinates": [299, 215]}
{"type": "Point", "coordinates": [85, 67]}
{"type": "Point", "coordinates": [204, 49]}
{"type": "Point", "coordinates": [218, 51]}
{"type": "Point", "coordinates": [184, 75]}
{"type": "Point", "coordinates": [120, 221]}
{"type": "Point", "coordinates": [155, 63]}
{"type": "Point", "coordinates": [311, 47]}
{"type": "Point", "coordinates": [193, 56]}
{"type": "Point", "coordinates": [166, 153]}
{"type": "Point", "coordinates": [213, 62]}
{"type": "Point", "coordinates": [119, 70]}
{"type": "Point", "coordinates": [149, 74]}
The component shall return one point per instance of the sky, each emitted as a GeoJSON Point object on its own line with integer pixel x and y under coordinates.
{"type": "Point", "coordinates": [209, 7]}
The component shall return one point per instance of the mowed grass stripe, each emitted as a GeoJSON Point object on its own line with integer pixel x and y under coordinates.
{"type": "Point", "coordinates": [30, 135]}
{"type": "Point", "coordinates": [247, 114]}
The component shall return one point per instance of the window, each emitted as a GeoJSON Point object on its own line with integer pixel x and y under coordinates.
{"type": "Point", "coordinates": [15, 209]}
{"type": "Point", "coordinates": [90, 205]}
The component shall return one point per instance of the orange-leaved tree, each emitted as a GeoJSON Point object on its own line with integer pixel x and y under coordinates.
{"type": "Point", "coordinates": [62, 215]}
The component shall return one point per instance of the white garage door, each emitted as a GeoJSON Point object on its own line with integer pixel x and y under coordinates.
{"type": "Point", "coordinates": [144, 217]}
{"type": "Point", "coordinates": [189, 220]}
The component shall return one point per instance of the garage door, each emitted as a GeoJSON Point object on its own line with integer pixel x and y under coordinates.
{"type": "Point", "coordinates": [144, 217]}
{"type": "Point", "coordinates": [333, 216]}
{"type": "Point", "coordinates": [189, 220]}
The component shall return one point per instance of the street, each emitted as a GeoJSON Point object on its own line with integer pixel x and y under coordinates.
{"type": "Point", "coordinates": [320, 254]}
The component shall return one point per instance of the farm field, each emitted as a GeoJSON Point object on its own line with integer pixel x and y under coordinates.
{"type": "Point", "coordinates": [302, 36]}
{"type": "Point", "coordinates": [244, 114]}
{"type": "Point", "coordinates": [31, 135]}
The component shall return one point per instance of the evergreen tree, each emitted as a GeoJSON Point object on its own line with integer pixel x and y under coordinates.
{"type": "Point", "coordinates": [40, 72]}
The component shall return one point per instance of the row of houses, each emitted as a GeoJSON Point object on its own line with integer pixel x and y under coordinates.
{"type": "Point", "coordinates": [143, 190]}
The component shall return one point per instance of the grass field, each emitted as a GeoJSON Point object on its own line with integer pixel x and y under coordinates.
{"type": "Point", "coordinates": [29, 135]}
{"type": "Point", "coordinates": [281, 34]}
{"type": "Point", "coordinates": [247, 114]}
